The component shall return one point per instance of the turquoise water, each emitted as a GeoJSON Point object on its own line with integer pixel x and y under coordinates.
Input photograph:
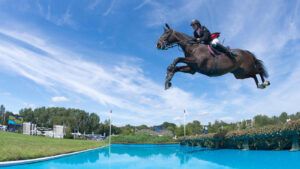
{"type": "Point", "coordinates": [170, 157]}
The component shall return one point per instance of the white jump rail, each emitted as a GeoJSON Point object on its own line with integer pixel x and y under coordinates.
{"type": "Point", "coordinates": [19, 162]}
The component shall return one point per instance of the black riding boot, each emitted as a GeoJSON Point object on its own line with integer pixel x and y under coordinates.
{"type": "Point", "coordinates": [226, 51]}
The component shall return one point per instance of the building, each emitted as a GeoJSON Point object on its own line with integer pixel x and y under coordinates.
{"type": "Point", "coordinates": [48, 133]}
{"type": "Point", "coordinates": [29, 128]}
{"type": "Point", "coordinates": [59, 131]}
{"type": "Point", "coordinates": [3, 127]}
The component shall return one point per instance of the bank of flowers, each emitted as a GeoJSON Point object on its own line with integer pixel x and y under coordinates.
{"type": "Point", "coordinates": [277, 137]}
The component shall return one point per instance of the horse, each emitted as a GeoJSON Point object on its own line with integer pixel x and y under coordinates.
{"type": "Point", "coordinates": [200, 58]}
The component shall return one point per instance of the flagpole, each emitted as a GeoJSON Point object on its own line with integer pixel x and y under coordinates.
{"type": "Point", "coordinates": [110, 127]}
{"type": "Point", "coordinates": [184, 132]}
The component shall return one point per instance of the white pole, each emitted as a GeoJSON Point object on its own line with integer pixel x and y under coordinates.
{"type": "Point", "coordinates": [184, 123]}
{"type": "Point", "coordinates": [109, 142]}
{"type": "Point", "coordinates": [110, 127]}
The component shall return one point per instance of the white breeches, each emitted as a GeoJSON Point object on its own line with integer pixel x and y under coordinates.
{"type": "Point", "coordinates": [215, 41]}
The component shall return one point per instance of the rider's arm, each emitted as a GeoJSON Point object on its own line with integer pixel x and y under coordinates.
{"type": "Point", "coordinates": [205, 34]}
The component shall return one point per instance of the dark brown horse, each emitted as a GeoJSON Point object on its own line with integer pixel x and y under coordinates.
{"type": "Point", "coordinates": [198, 58]}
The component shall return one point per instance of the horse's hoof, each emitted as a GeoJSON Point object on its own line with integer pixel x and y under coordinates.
{"type": "Point", "coordinates": [267, 83]}
{"type": "Point", "coordinates": [261, 86]}
{"type": "Point", "coordinates": [168, 85]}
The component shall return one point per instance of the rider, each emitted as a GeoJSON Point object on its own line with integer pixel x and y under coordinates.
{"type": "Point", "coordinates": [201, 33]}
{"type": "Point", "coordinates": [203, 36]}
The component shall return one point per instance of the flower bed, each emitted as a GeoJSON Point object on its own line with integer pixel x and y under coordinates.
{"type": "Point", "coordinates": [265, 138]}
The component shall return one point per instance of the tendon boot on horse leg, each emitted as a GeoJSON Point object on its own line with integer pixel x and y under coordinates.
{"type": "Point", "coordinates": [260, 86]}
{"type": "Point", "coordinates": [184, 69]}
{"type": "Point", "coordinates": [264, 82]}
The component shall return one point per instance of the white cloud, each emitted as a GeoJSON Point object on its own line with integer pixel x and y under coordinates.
{"type": "Point", "coordinates": [145, 2]}
{"type": "Point", "coordinates": [161, 13]}
{"type": "Point", "coordinates": [60, 19]}
{"type": "Point", "coordinates": [122, 86]}
{"type": "Point", "coordinates": [110, 8]}
{"type": "Point", "coordinates": [66, 19]}
{"type": "Point", "coordinates": [59, 99]}
{"type": "Point", "coordinates": [29, 105]}
{"type": "Point", "coordinates": [94, 4]}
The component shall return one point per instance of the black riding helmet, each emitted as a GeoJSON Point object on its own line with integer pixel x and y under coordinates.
{"type": "Point", "coordinates": [195, 22]}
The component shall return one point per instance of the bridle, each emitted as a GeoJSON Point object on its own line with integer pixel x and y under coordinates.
{"type": "Point", "coordinates": [166, 45]}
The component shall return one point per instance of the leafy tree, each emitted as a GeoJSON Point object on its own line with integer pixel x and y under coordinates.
{"type": "Point", "coordinates": [194, 128]}
{"type": "Point", "coordinates": [2, 115]}
{"type": "Point", "coordinates": [283, 117]}
{"type": "Point", "coordinates": [169, 126]}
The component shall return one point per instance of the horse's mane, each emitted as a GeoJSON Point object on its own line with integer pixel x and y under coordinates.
{"type": "Point", "coordinates": [185, 35]}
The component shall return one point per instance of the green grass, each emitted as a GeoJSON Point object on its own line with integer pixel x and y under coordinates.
{"type": "Point", "coordinates": [15, 146]}
{"type": "Point", "coordinates": [142, 139]}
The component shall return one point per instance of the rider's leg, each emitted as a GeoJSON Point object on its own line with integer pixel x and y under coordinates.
{"type": "Point", "coordinates": [225, 50]}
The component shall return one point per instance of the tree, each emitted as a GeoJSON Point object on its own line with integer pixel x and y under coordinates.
{"type": "Point", "coordinates": [74, 119]}
{"type": "Point", "coordinates": [283, 117]}
{"type": "Point", "coordinates": [2, 114]}
{"type": "Point", "coordinates": [194, 128]}
{"type": "Point", "coordinates": [93, 122]}
{"type": "Point", "coordinates": [127, 129]}
{"type": "Point", "coordinates": [169, 126]}
{"type": "Point", "coordinates": [262, 120]}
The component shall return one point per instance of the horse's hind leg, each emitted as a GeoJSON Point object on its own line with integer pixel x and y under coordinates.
{"type": "Point", "coordinates": [264, 82]}
{"type": "Point", "coordinates": [262, 77]}
{"type": "Point", "coordinates": [260, 86]}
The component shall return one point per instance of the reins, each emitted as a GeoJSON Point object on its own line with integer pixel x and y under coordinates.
{"type": "Point", "coordinates": [190, 42]}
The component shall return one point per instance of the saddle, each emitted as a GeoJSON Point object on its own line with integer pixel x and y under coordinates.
{"type": "Point", "coordinates": [215, 48]}
{"type": "Point", "coordinates": [213, 51]}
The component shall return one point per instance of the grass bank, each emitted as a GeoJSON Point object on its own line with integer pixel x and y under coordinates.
{"type": "Point", "coordinates": [142, 139]}
{"type": "Point", "coordinates": [15, 146]}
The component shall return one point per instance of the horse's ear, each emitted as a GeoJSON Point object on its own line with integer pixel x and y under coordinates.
{"type": "Point", "coordinates": [165, 29]}
{"type": "Point", "coordinates": [167, 26]}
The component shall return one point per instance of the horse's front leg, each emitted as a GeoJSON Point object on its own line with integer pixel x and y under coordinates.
{"type": "Point", "coordinates": [187, 60]}
{"type": "Point", "coordinates": [170, 74]}
{"type": "Point", "coordinates": [175, 62]}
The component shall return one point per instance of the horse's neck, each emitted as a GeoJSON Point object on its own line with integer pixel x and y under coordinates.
{"type": "Point", "coordinates": [183, 41]}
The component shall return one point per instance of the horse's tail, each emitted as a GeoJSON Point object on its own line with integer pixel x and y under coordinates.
{"type": "Point", "coordinates": [260, 66]}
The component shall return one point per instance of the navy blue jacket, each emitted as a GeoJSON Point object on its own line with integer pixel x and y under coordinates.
{"type": "Point", "coordinates": [203, 35]}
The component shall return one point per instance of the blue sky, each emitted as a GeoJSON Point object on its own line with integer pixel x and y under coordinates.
{"type": "Point", "coordinates": [100, 55]}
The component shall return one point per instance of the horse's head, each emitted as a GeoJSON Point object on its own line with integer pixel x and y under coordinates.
{"type": "Point", "coordinates": [167, 39]}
